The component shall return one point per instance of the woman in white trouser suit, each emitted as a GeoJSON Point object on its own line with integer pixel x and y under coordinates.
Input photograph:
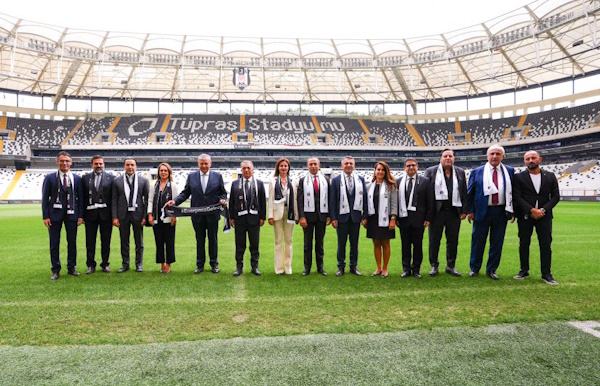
{"type": "Point", "coordinates": [283, 214]}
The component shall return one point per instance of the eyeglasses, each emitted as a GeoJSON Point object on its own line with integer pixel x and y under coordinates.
{"type": "Point", "coordinates": [410, 166]}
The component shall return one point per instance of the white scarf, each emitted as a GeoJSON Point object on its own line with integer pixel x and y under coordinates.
{"type": "Point", "coordinates": [441, 190]}
{"type": "Point", "coordinates": [309, 193]}
{"type": "Point", "coordinates": [135, 190]}
{"type": "Point", "coordinates": [358, 194]}
{"type": "Point", "coordinates": [402, 208]}
{"type": "Point", "coordinates": [382, 210]}
{"type": "Point", "coordinates": [490, 188]}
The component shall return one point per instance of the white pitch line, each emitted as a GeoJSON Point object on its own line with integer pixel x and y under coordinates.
{"type": "Point", "coordinates": [590, 326]}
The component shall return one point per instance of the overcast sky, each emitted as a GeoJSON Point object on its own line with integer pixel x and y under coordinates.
{"type": "Point", "coordinates": [374, 19]}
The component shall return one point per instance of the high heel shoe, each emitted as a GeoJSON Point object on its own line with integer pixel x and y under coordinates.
{"type": "Point", "coordinates": [383, 276]}
{"type": "Point", "coordinates": [376, 274]}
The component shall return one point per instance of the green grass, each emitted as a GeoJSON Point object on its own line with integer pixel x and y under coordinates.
{"type": "Point", "coordinates": [121, 311]}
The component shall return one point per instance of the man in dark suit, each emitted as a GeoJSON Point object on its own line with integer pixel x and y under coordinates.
{"type": "Point", "coordinates": [348, 209]}
{"type": "Point", "coordinates": [313, 211]}
{"type": "Point", "coordinates": [129, 208]}
{"type": "Point", "coordinates": [248, 211]}
{"type": "Point", "coordinates": [450, 193]}
{"type": "Point", "coordinates": [490, 205]}
{"type": "Point", "coordinates": [62, 203]}
{"type": "Point", "coordinates": [206, 188]}
{"type": "Point", "coordinates": [97, 189]}
{"type": "Point", "coordinates": [415, 209]}
{"type": "Point", "coordinates": [536, 193]}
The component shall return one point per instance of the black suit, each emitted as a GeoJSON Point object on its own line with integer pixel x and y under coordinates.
{"type": "Point", "coordinates": [249, 223]}
{"type": "Point", "coordinates": [54, 207]}
{"type": "Point", "coordinates": [412, 227]}
{"type": "Point", "coordinates": [525, 198]}
{"type": "Point", "coordinates": [348, 227]}
{"type": "Point", "coordinates": [214, 193]}
{"type": "Point", "coordinates": [97, 214]}
{"type": "Point", "coordinates": [316, 224]}
{"type": "Point", "coordinates": [130, 219]}
{"type": "Point", "coordinates": [446, 216]}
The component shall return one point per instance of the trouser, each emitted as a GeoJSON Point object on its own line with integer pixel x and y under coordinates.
{"type": "Point", "coordinates": [138, 235]}
{"type": "Point", "coordinates": [412, 246]}
{"type": "Point", "coordinates": [317, 229]}
{"type": "Point", "coordinates": [91, 232]}
{"type": "Point", "coordinates": [450, 220]}
{"type": "Point", "coordinates": [253, 232]}
{"type": "Point", "coordinates": [543, 228]}
{"type": "Point", "coordinates": [201, 228]}
{"type": "Point", "coordinates": [54, 232]}
{"type": "Point", "coordinates": [284, 232]}
{"type": "Point", "coordinates": [494, 223]}
{"type": "Point", "coordinates": [349, 230]}
{"type": "Point", "coordinates": [164, 237]}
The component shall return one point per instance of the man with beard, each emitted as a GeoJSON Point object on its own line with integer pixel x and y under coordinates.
{"type": "Point", "coordinates": [535, 193]}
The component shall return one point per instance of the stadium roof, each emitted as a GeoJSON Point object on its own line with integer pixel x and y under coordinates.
{"type": "Point", "coordinates": [541, 42]}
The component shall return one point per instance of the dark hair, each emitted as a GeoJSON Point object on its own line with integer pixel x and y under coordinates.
{"type": "Point", "coordinates": [389, 180]}
{"type": "Point", "coordinates": [130, 158]}
{"type": "Point", "coordinates": [445, 150]}
{"type": "Point", "coordinates": [410, 159]}
{"type": "Point", "coordinates": [279, 161]}
{"type": "Point", "coordinates": [169, 168]}
{"type": "Point", "coordinates": [97, 156]}
{"type": "Point", "coordinates": [63, 153]}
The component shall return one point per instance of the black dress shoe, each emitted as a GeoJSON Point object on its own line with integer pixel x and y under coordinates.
{"type": "Point", "coordinates": [106, 269]}
{"type": "Point", "coordinates": [434, 271]}
{"type": "Point", "coordinates": [417, 275]}
{"type": "Point", "coordinates": [340, 272]}
{"type": "Point", "coordinates": [73, 272]}
{"type": "Point", "coordinates": [90, 270]}
{"type": "Point", "coordinates": [322, 272]}
{"type": "Point", "coordinates": [256, 272]}
{"type": "Point", "coordinates": [493, 275]}
{"type": "Point", "coordinates": [215, 270]}
{"type": "Point", "coordinates": [55, 276]}
{"type": "Point", "coordinates": [306, 272]}
{"type": "Point", "coordinates": [199, 270]}
{"type": "Point", "coordinates": [139, 269]}
{"type": "Point", "coordinates": [237, 272]}
{"type": "Point", "coordinates": [355, 271]}
{"type": "Point", "coordinates": [123, 269]}
{"type": "Point", "coordinates": [405, 274]}
{"type": "Point", "coordinates": [452, 271]}
{"type": "Point", "coordinates": [473, 273]}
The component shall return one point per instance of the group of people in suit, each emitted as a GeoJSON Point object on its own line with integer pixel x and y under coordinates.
{"type": "Point", "coordinates": [439, 200]}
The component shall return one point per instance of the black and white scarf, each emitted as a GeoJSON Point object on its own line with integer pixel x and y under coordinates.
{"type": "Point", "coordinates": [95, 196]}
{"type": "Point", "coordinates": [248, 204]}
{"type": "Point", "coordinates": [166, 195]}
{"type": "Point", "coordinates": [175, 211]}
{"type": "Point", "coordinates": [279, 198]}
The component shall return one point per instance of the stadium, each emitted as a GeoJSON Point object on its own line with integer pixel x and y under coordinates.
{"type": "Point", "coordinates": [527, 80]}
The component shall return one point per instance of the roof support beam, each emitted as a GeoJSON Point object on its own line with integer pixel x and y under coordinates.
{"type": "Point", "coordinates": [556, 41]}
{"type": "Point", "coordinates": [505, 55]}
{"type": "Point", "coordinates": [387, 81]}
{"type": "Point", "coordinates": [75, 64]}
{"type": "Point", "coordinates": [337, 55]}
{"type": "Point", "coordinates": [91, 67]}
{"type": "Point", "coordinates": [308, 90]}
{"type": "Point", "coordinates": [36, 85]}
{"type": "Point", "coordinates": [460, 66]}
{"type": "Point", "coordinates": [177, 70]}
{"type": "Point", "coordinates": [134, 67]}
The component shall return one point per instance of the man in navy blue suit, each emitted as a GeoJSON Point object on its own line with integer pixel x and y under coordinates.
{"type": "Point", "coordinates": [62, 203]}
{"type": "Point", "coordinates": [348, 209]}
{"type": "Point", "coordinates": [490, 205]}
{"type": "Point", "coordinates": [206, 188]}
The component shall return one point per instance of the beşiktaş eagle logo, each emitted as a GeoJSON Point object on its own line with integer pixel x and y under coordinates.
{"type": "Point", "coordinates": [241, 77]}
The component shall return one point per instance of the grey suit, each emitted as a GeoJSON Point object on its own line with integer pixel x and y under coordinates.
{"type": "Point", "coordinates": [128, 219]}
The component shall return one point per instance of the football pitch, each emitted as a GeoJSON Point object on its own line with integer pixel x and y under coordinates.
{"type": "Point", "coordinates": [181, 328]}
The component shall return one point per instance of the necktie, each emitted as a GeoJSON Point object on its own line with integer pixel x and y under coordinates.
{"type": "Point", "coordinates": [247, 189]}
{"type": "Point", "coordinates": [350, 183]}
{"type": "Point", "coordinates": [97, 180]}
{"type": "Point", "coordinates": [409, 188]}
{"type": "Point", "coordinates": [204, 182]}
{"type": "Point", "coordinates": [316, 184]}
{"type": "Point", "coordinates": [131, 183]}
{"type": "Point", "coordinates": [65, 186]}
{"type": "Point", "coordinates": [495, 180]}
